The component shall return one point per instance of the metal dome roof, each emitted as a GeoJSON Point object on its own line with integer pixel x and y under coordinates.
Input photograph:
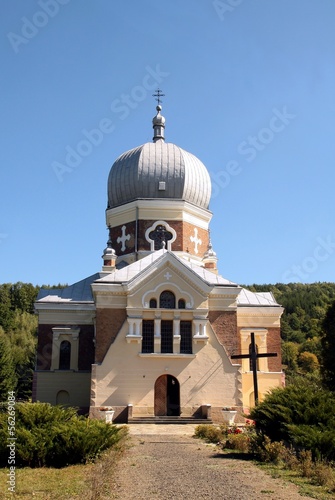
{"type": "Point", "coordinates": [158, 170]}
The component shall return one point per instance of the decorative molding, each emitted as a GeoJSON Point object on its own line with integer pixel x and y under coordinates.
{"type": "Point", "coordinates": [153, 227]}
{"type": "Point", "coordinates": [154, 293]}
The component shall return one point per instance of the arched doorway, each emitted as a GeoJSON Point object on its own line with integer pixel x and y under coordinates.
{"type": "Point", "coordinates": [167, 396]}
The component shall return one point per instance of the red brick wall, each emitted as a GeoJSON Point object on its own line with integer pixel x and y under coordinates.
{"type": "Point", "coordinates": [108, 324]}
{"type": "Point", "coordinates": [86, 347]}
{"type": "Point", "coordinates": [224, 324]}
{"type": "Point", "coordinates": [44, 347]}
{"type": "Point", "coordinates": [274, 345]}
{"type": "Point", "coordinates": [184, 232]}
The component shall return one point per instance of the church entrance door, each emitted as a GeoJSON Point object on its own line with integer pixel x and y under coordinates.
{"type": "Point", "coordinates": [167, 396]}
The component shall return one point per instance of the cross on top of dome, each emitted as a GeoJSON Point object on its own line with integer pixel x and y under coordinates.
{"type": "Point", "coordinates": [158, 121]}
{"type": "Point", "coordinates": [157, 95]}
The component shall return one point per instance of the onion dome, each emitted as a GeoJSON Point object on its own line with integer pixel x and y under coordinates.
{"type": "Point", "coordinates": [158, 169]}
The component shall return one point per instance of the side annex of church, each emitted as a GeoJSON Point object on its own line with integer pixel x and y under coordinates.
{"type": "Point", "coordinates": [153, 332]}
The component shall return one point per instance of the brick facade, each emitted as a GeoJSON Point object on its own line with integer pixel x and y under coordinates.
{"type": "Point", "coordinates": [224, 324]}
{"type": "Point", "coordinates": [44, 347]}
{"type": "Point", "coordinates": [274, 345]}
{"type": "Point", "coordinates": [108, 324]}
{"type": "Point", "coordinates": [183, 241]}
{"type": "Point", "coordinates": [85, 348]}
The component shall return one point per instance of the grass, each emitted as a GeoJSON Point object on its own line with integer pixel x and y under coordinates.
{"type": "Point", "coordinates": [92, 481]}
{"type": "Point", "coordinates": [47, 483]}
{"type": "Point", "coordinates": [306, 487]}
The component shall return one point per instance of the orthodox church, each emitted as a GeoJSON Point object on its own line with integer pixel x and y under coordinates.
{"type": "Point", "coordinates": [153, 332]}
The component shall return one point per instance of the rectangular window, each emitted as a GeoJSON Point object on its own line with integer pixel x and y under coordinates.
{"type": "Point", "coordinates": [166, 336]}
{"type": "Point", "coordinates": [186, 337]}
{"type": "Point", "coordinates": [147, 336]}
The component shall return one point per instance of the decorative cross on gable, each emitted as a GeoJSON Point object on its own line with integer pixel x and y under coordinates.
{"type": "Point", "coordinates": [167, 275]}
{"type": "Point", "coordinates": [197, 241]}
{"type": "Point", "coordinates": [253, 356]}
{"type": "Point", "coordinates": [122, 239]}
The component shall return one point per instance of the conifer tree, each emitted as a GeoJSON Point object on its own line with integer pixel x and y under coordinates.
{"type": "Point", "coordinates": [328, 349]}
{"type": "Point", "coordinates": [7, 369]}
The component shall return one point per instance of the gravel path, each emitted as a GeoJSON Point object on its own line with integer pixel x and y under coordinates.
{"type": "Point", "coordinates": [178, 467]}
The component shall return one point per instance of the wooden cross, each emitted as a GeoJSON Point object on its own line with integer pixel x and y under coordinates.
{"type": "Point", "coordinates": [253, 356]}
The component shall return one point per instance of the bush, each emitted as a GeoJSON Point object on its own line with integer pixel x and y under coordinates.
{"type": "Point", "coordinates": [238, 442]}
{"type": "Point", "coordinates": [209, 432]}
{"type": "Point", "coordinates": [301, 415]}
{"type": "Point", "coordinates": [55, 436]}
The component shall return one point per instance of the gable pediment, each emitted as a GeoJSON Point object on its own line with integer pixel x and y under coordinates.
{"type": "Point", "coordinates": [167, 274]}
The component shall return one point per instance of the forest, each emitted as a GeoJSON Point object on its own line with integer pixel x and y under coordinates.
{"type": "Point", "coordinates": [305, 306]}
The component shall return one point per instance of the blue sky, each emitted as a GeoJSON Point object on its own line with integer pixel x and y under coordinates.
{"type": "Point", "coordinates": [249, 89]}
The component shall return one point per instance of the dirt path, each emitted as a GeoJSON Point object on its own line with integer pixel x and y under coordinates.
{"type": "Point", "coordinates": [178, 467]}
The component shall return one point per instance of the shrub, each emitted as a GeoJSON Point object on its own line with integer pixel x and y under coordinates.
{"type": "Point", "coordinates": [267, 450]}
{"type": "Point", "coordinates": [238, 442]}
{"type": "Point", "coordinates": [301, 415]}
{"type": "Point", "coordinates": [306, 463]}
{"type": "Point", "coordinates": [323, 475]}
{"type": "Point", "coordinates": [55, 436]}
{"type": "Point", "coordinates": [209, 432]}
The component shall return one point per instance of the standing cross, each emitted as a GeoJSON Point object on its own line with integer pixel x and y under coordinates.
{"type": "Point", "coordinates": [253, 356]}
{"type": "Point", "coordinates": [158, 94]}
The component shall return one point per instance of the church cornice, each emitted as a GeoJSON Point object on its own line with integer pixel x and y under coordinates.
{"type": "Point", "coordinates": [176, 210]}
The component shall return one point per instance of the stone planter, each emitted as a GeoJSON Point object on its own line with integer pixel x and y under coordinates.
{"type": "Point", "coordinates": [109, 414]}
{"type": "Point", "coordinates": [229, 416]}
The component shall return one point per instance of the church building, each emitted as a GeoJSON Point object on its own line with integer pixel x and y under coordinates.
{"type": "Point", "coordinates": [153, 332]}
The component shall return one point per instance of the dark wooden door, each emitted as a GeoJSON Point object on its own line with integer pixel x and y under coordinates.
{"type": "Point", "coordinates": [167, 396]}
{"type": "Point", "coordinates": [160, 395]}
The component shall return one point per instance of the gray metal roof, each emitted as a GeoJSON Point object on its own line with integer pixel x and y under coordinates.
{"type": "Point", "coordinates": [78, 292]}
{"type": "Point", "coordinates": [126, 274]}
{"type": "Point", "coordinates": [248, 298]}
{"type": "Point", "coordinates": [158, 170]}
{"type": "Point", "coordinates": [82, 291]}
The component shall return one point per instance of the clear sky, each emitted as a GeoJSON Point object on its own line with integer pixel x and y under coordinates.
{"type": "Point", "coordinates": [249, 88]}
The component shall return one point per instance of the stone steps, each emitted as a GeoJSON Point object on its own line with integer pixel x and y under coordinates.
{"type": "Point", "coordinates": [169, 420]}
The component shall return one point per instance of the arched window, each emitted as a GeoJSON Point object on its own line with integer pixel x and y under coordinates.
{"type": "Point", "coordinates": [65, 355]}
{"type": "Point", "coordinates": [167, 300]}
{"type": "Point", "coordinates": [160, 236]}
{"type": "Point", "coordinates": [153, 303]}
{"type": "Point", "coordinates": [181, 304]}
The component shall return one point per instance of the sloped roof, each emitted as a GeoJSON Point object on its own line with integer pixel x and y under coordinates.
{"type": "Point", "coordinates": [248, 298]}
{"type": "Point", "coordinates": [82, 291]}
{"type": "Point", "coordinates": [128, 273]}
{"type": "Point", "coordinates": [78, 292]}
